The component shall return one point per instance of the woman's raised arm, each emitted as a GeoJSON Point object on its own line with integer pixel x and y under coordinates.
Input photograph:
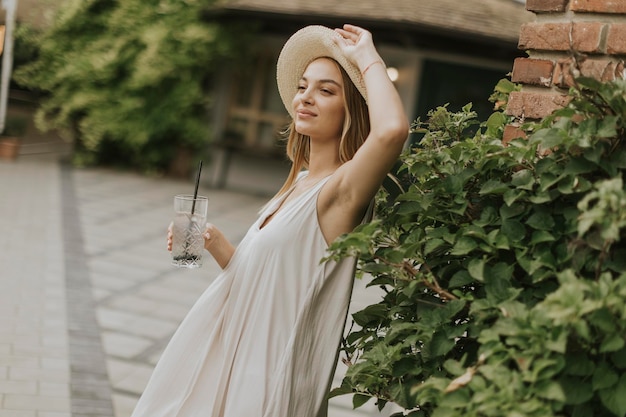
{"type": "Point", "coordinates": [360, 178]}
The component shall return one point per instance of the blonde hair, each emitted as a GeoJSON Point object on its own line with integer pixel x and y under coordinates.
{"type": "Point", "coordinates": [356, 127]}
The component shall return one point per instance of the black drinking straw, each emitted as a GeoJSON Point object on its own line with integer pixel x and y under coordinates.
{"type": "Point", "coordinates": [193, 209]}
{"type": "Point", "coordinates": [195, 193]}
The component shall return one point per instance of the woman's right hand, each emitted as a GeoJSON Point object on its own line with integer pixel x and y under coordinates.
{"type": "Point", "coordinates": [212, 236]}
{"type": "Point", "coordinates": [214, 241]}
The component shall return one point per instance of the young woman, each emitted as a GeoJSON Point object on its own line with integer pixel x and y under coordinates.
{"type": "Point", "coordinates": [262, 340]}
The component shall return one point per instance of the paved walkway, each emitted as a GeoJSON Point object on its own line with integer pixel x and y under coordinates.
{"type": "Point", "coordinates": [88, 298]}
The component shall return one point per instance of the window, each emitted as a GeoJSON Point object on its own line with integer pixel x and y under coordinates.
{"type": "Point", "coordinates": [256, 114]}
{"type": "Point", "coordinates": [457, 84]}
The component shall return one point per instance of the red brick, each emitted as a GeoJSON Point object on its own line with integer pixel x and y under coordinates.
{"type": "Point", "coordinates": [563, 73]}
{"type": "Point", "coordinates": [587, 36]}
{"type": "Point", "coordinates": [603, 69]}
{"type": "Point", "coordinates": [616, 39]}
{"type": "Point", "coordinates": [545, 36]}
{"type": "Point", "coordinates": [599, 6]}
{"type": "Point", "coordinates": [532, 71]}
{"type": "Point", "coordinates": [620, 70]}
{"type": "Point", "coordinates": [600, 69]}
{"type": "Point", "coordinates": [512, 132]}
{"type": "Point", "coordinates": [534, 105]}
{"type": "Point", "coordinates": [546, 6]}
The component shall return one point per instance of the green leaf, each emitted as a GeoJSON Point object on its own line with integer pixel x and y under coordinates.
{"type": "Point", "coordinates": [443, 412]}
{"type": "Point", "coordinates": [505, 86]}
{"type": "Point", "coordinates": [513, 195]}
{"type": "Point", "coordinates": [612, 343]}
{"type": "Point", "coordinates": [550, 390]}
{"type": "Point", "coordinates": [614, 398]}
{"type": "Point", "coordinates": [441, 344]}
{"type": "Point", "coordinates": [580, 365]}
{"type": "Point", "coordinates": [523, 179]}
{"type": "Point", "coordinates": [594, 154]}
{"type": "Point", "coordinates": [433, 244]}
{"type": "Point", "coordinates": [569, 185]}
{"type": "Point", "coordinates": [547, 180]}
{"type": "Point", "coordinates": [608, 127]}
{"type": "Point", "coordinates": [497, 282]}
{"type": "Point", "coordinates": [589, 83]}
{"type": "Point", "coordinates": [619, 358]}
{"type": "Point", "coordinates": [343, 389]}
{"type": "Point", "coordinates": [460, 279]}
{"type": "Point", "coordinates": [407, 365]}
{"type": "Point", "coordinates": [604, 377]}
{"type": "Point", "coordinates": [370, 313]}
{"type": "Point", "coordinates": [577, 391]}
{"type": "Point", "coordinates": [540, 220]}
{"type": "Point", "coordinates": [476, 269]}
{"type": "Point", "coordinates": [578, 166]}
{"type": "Point", "coordinates": [557, 340]}
{"type": "Point", "coordinates": [547, 138]}
{"type": "Point", "coordinates": [604, 320]}
{"type": "Point", "coordinates": [359, 399]}
{"type": "Point", "coordinates": [513, 230]}
{"type": "Point", "coordinates": [463, 246]}
{"type": "Point", "coordinates": [400, 394]}
{"type": "Point", "coordinates": [410, 207]}
{"type": "Point", "coordinates": [540, 236]}
{"type": "Point", "coordinates": [508, 212]}
{"type": "Point", "coordinates": [457, 399]}
{"type": "Point", "coordinates": [495, 122]}
{"type": "Point", "coordinates": [454, 367]}
{"type": "Point", "coordinates": [493, 187]}
{"type": "Point", "coordinates": [540, 198]}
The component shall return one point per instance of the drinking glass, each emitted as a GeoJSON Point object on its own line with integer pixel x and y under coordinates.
{"type": "Point", "coordinates": [189, 223]}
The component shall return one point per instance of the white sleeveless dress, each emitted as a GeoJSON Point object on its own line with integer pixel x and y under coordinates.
{"type": "Point", "coordinates": [262, 340]}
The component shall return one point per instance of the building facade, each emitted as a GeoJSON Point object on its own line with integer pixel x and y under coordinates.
{"type": "Point", "coordinates": [440, 51]}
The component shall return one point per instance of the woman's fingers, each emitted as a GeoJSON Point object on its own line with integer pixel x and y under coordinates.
{"type": "Point", "coordinates": [169, 236]}
{"type": "Point", "coordinates": [347, 35]}
{"type": "Point", "coordinates": [209, 235]}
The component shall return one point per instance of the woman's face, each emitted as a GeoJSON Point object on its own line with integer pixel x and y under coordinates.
{"type": "Point", "coordinates": [319, 110]}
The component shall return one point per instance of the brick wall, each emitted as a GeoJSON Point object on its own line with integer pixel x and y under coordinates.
{"type": "Point", "coordinates": [567, 38]}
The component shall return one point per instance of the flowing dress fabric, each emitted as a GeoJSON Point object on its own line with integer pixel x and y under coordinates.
{"type": "Point", "coordinates": [262, 340]}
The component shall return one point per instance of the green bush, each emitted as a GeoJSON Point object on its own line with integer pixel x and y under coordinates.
{"type": "Point", "coordinates": [25, 46]}
{"type": "Point", "coordinates": [129, 81]}
{"type": "Point", "coordinates": [503, 268]}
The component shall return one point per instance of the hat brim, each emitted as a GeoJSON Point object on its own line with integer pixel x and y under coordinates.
{"type": "Point", "coordinates": [303, 47]}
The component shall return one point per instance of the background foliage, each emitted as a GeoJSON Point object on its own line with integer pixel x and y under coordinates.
{"type": "Point", "coordinates": [128, 81]}
{"type": "Point", "coordinates": [503, 268]}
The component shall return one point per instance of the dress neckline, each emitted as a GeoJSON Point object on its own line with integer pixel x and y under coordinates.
{"type": "Point", "coordinates": [281, 203]}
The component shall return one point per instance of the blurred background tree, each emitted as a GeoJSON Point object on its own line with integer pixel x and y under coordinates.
{"type": "Point", "coordinates": [129, 81]}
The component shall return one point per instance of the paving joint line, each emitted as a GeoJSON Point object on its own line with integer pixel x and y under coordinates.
{"type": "Point", "coordinates": [90, 390]}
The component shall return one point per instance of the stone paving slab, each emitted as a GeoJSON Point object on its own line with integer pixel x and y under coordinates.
{"type": "Point", "coordinates": [34, 357]}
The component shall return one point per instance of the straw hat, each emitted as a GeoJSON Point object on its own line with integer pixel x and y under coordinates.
{"type": "Point", "coordinates": [304, 46]}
